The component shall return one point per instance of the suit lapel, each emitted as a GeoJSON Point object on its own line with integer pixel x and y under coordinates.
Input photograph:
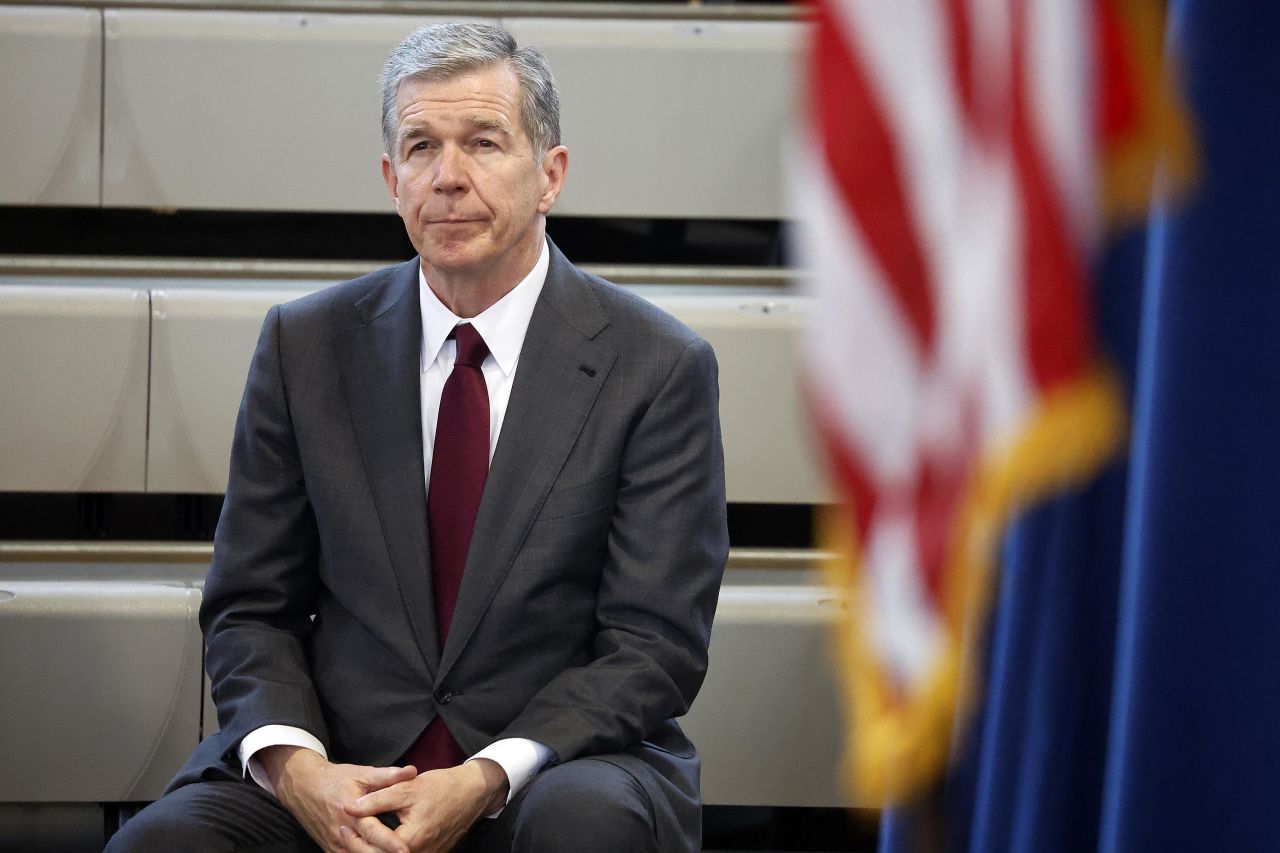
{"type": "Point", "coordinates": [380, 361]}
{"type": "Point", "coordinates": [559, 375]}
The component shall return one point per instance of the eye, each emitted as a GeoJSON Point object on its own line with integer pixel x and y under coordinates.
{"type": "Point", "coordinates": [485, 143]}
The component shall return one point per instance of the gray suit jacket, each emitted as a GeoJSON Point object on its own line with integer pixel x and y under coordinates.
{"type": "Point", "coordinates": [589, 590]}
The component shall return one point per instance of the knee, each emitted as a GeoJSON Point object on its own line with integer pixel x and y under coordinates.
{"type": "Point", "coordinates": [159, 830]}
{"type": "Point", "coordinates": [584, 806]}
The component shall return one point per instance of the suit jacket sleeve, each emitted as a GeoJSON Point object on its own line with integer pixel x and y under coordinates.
{"type": "Point", "coordinates": [261, 587]}
{"type": "Point", "coordinates": [665, 556]}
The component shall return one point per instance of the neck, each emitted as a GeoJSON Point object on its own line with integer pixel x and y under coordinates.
{"type": "Point", "coordinates": [468, 292]}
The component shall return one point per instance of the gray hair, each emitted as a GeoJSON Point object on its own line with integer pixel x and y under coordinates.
{"type": "Point", "coordinates": [442, 51]}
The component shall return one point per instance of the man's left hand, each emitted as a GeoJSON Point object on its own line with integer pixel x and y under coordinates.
{"type": "Point", "coordinates": [436, 809]}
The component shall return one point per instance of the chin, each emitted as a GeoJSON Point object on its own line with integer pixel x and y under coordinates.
{"type": "Point", "coordinates": [449, 249]}
{"type": "Point", "coordinates": [454, 258]}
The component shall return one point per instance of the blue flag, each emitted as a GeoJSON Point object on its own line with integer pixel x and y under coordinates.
{"type": "Point", "coordinates": [1132, 696]}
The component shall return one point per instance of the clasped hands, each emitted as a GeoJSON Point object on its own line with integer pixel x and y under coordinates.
{"type": "Point", "coordinates": [338, 804]}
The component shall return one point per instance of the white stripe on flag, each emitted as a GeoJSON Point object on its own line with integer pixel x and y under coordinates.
{"type": "Point", "coordinates": [1059, 90]}
{"type": "Point", "coordinates": [860, 347]}
{"type": "Point", "coordinates": [903, 626]}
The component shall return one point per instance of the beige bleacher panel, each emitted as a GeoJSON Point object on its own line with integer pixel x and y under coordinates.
{"type": "Point", "coordinates": [101, 675]}
{"type": "Point", "coordinates": [672, 118]}
{"type": "Point", "coordinates": [73, 378]}
{"type": "Point", "coordinates": [201, 345]}
{"type": "Point", "coordinates": [50, 101]}
{"type": "Point", "coordinates": [203, 338]}
{"type": "Point", "coordinates": [266, 111]}
{"type": "Point", "coordinates": [769, 451]}
{"type": "Point", "coordinates": [244, 110]}
{"type": "Point", "coordinates": [767, 722]}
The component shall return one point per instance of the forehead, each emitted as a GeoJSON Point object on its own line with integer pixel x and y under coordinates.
{"type": "Point", "coordinates": [490, 92]}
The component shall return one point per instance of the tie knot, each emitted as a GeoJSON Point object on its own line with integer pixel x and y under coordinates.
{"type": "Point", "coordinates": [471, 347]}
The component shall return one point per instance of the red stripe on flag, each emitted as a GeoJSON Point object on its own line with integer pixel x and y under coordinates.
{"type": "Point", "coordinates": [1118, 103]}
{"type": "Point", "coordinates": [1055, 330]}
{"type": "Point", "coordinates": [863, 164]}
{"type": "Point", "coordinates": [961, 44]}
{"type": "Point", "coordinates": [852, 481]}
{"type": "Point", "coordinates": [943, 478]}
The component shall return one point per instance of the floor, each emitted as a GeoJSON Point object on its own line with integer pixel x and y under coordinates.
{"type": "Point", "coordinates": [736, 829]}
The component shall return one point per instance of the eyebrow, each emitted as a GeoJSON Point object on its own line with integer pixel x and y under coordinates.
{"type": "Point", "coordinates": [481, 123]}
{"type": "Point", "coordinates": [408, 132]}
{"type": "Point", "coordinates": [416, 131]}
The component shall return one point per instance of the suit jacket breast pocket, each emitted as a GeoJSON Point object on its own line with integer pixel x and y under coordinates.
{"type": "Point", "coordinates": [581, 499]}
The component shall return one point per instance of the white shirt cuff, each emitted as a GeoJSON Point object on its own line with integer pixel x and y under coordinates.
{"type": "Point", "coordinates": [274, 735]}
{"type": "Point", "coordinates": [520, 758]}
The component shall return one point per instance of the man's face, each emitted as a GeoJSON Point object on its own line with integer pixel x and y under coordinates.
{"type": "Point", "coordinates": [464, 176]}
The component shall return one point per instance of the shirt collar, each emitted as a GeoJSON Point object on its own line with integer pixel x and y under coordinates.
{"type": "Point", "coordinates": [502, 325]}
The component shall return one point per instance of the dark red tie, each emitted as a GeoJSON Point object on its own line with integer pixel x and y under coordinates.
{"type": "Point", "coordinates": [459, 466]}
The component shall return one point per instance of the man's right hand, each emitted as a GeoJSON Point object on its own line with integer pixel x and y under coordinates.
{"type": "Point", "coordinates": [316, 792]}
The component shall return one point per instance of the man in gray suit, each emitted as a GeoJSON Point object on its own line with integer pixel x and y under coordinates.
{"type": "Point", "coordinates": [475, 525]}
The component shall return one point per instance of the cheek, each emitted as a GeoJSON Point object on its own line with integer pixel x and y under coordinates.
{"type": "Point", "coordinates": [411, 181]}
{"type": "Point", "coordinates": [413, 202]}
{"type": "Point", "coordinates": [523, 200]}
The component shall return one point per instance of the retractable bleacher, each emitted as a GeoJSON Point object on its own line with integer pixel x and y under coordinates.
{"type": "Point", "coordinates": [122, 376]}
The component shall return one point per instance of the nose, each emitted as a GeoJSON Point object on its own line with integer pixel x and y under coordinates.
{"type": "Point", "coordinates": [451, 176]}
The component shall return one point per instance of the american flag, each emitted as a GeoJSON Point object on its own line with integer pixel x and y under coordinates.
{"type": "Point", "coordinates": [947, 186]}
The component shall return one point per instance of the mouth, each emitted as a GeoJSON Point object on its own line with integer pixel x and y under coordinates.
{"type": "Point", "coordinates": [452, 220]}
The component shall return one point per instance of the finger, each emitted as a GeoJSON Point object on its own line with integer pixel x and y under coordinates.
{"type": "Point", "coordinates": [424, 836]}
{"type": "Point", "coordinates": [408, 835]}
{"type": "Point", "coordinates": [375, 778]}
{"type": "Point", "coordinates": [334, 841]}
{"type": "Point", "coordinates": [379, 802]}
{"type": "Point", "coordinates": [356, 844]}
{"type": "Point", "coordinates": [380, 836]}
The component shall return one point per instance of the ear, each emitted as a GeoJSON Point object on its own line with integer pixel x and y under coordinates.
{"type": "Point", "coordinates": [555, 166]}
{"type": "Point", "coordinates": [389, 178]}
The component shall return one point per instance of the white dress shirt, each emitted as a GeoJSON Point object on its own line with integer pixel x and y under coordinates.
{"type": "Point", "coordinates": [502, 326]}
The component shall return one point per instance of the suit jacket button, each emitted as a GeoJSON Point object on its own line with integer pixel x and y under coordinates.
{"type": "Point", "coordinates": [444, 695]}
